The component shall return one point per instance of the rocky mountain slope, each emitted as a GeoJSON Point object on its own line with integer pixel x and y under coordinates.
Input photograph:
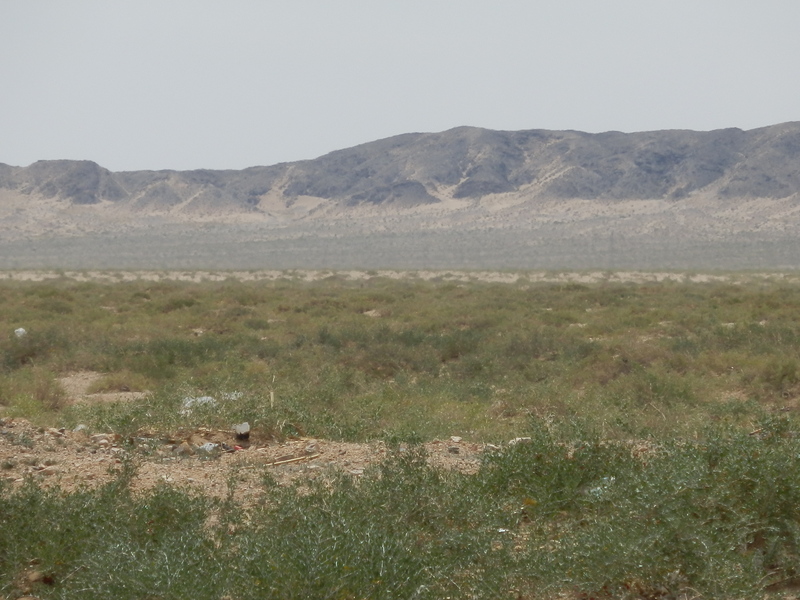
{"type": "Point", "coordinates": [463, 163]}
{"type": "Point", "coordinates": [575, 186]}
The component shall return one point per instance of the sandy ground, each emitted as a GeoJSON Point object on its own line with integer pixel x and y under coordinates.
{"type": "Point", "coordinates": [587, 277]}
{"type": "Point", "coordinates": [76, 385]}
{"type": "Point", "coordinates": [75, 459]}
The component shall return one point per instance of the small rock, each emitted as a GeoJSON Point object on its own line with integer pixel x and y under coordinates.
{"type": "Point", "coordinates": [51, 470]}
{"type": "Point", "coordinates": [34, 576]}
{"type": "Point", "coordinates": [80, 428]}
{"type": "Point", "coordinates": [185, 449]}
{"type": "Point", "coordinates": [55, 432]}
{"type": "Point", "coordinates": [20, 332]}
{"type": "Point", "coordinates": [455, 439]}
{"type": "Point", "coordinates": [312, 448]}
{"type": "Point", "coordinates": [454, 449]}
{"type": "Point", "coordinates": [519, 440]}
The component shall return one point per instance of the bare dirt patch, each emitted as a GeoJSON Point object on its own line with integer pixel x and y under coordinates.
{"type": "Point", "coordinates": [75, 459]}
{"type": "Point", "coordinates": [78, 384]}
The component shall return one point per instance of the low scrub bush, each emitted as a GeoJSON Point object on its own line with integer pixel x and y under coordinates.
{"type": "Point", "coordinates": [562, 513]}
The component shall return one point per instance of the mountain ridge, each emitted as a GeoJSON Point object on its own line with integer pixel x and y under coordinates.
{"type": "Point", "coordinates": [462, 163]}
{"type": "Point", "coordinates": [551, 191]}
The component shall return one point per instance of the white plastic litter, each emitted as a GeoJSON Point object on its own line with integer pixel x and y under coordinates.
{"type": "Point", "coordinates": [20, 332]}
{"type": "Point", "coordinates": [189, 403]}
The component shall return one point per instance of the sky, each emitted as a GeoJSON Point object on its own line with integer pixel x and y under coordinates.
{"type": "Point", "coordinates": [187, 84]}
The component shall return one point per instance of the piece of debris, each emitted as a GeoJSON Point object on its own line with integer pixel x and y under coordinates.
{"type": "Point", "coordinates": [284, 461]}
{"type": "Point", "coordinates": [242, 431]}
{"type": "Point", "coordinates": [453, 449]}
{"type": "Point", "coordinates": [455, 439]}
{"type": "Point", "coordinates": [189, 403]}
{"type": "Point", "coordinates": [20, 332]}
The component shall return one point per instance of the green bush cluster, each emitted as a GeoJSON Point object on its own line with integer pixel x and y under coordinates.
{"type": "Point", "coordinates": [469, 359]}
{"type": "Point", "coordinates": [562, 513]}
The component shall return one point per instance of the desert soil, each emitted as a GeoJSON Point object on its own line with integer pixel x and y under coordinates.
{"type": "Point", "coordinates": [586, 277]}
{"type": "Point", "coordinates": [76, 459]}
{"type": "Point", "coordinates": [83, 458]}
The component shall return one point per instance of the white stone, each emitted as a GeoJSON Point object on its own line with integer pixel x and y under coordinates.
{"type": "Point", "coordinates": [519, 440]}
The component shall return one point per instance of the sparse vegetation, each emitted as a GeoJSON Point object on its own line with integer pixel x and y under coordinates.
{"type": "Point", "coordinates": [662, 459]}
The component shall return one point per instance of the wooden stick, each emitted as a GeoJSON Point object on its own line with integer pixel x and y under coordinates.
{"type": "Point", "coordinates": [291, 460]}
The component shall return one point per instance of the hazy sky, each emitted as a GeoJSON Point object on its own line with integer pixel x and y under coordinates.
{"type": "Point", "coordinates": [183, 84]}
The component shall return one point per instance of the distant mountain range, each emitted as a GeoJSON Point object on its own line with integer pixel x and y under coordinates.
{"type": "Point", "coordinates": [703, 187]}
